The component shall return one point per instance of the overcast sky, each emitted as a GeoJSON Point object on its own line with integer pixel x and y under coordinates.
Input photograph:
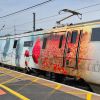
{"type": "Point", "coordinates": [23, 21]}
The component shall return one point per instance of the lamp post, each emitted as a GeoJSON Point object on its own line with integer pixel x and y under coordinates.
{"type": "Point", "coordinates": [2, 28]}
{"type": "Point", "coordinates": [34, 21]}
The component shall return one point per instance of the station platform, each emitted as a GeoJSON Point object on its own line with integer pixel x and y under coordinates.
{"type": "Point", "coordinates": [19, 86]}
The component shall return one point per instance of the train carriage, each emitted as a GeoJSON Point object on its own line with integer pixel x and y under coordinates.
{"type": "Point", "coordinates": [71, 50]}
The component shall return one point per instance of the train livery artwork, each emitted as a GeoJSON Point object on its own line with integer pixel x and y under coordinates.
{"type": "Point", "coordinates": [70, 50]}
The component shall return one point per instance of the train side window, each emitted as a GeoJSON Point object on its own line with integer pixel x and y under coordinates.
{"type": "Point", "coordinates": [60, 42]}
{"type": "Point", "coordinates": [74, 36]}
{"type": "Point", "coordinates": [15, 43]}
{"type": "Point", "coordinates": [28, 43]}
{"type": "Point", "coordinates": [44, 43]}
{"type": "Point", "coordinates": [95, 34]}
{"type": "Point", "coordinates": [68, 36]}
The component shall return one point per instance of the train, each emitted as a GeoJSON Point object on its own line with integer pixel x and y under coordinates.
{"type": "Point", "coordinates": [71, 50]}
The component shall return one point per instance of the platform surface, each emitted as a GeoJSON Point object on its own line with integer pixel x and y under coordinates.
{"type": "Point", "coordinates": [19, 86]}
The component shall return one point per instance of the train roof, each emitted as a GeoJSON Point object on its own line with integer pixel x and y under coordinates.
{"type": "Point", "coordinates": [56, 29]}
{"type": "Point", "coordinates": [93, 21]}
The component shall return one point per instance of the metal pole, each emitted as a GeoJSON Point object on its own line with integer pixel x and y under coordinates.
{"type": "Point", "coordinates": [14, 29]}
{"type": "Point", "coordinates": [33, 21]}
{"type": "Point", "coordinates": [2, 28]}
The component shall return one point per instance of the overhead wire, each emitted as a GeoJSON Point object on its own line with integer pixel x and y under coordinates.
{"type": "Point", "coordinates": [56, 15]}
{"type": "Point", "coordinates": [52, 19]}
{"type": "Point", "coordinates": [27, 8]}
{"type": "Point", "coordinates": [46, 19]}
{"type": "Point", "coordinates": [92, 11]}
{"type": "Point", "coordinates": [75, 10]}
{"type": "Point", "coordinates": [93, 5]}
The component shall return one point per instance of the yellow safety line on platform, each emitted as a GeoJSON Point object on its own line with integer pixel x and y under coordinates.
{"type": "Point", "coordinates": [35, 80]}
{"type": "Point", "coordinates": [76, 92]}
{"type": "Point", "coordinates": [1, 68]}
{"type": "Point", "coordinates": [14, 92]}
{"type": "Point", "coordinates": [53, 91]}
{"type": "Point", "coordinates": [56, 88]}
{"type": "Point", "coordinates": [89, 96]}
{"type": "Point", "coordinates": [4, 69]}
{"type": "Point", "coordinates": [11, 79]}
{"type": "Point", "coordinates": [5, 73]}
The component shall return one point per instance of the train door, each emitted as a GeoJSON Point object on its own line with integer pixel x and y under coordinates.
{"type": "Point", "coordinates": [95, 43]}
{"type": "Point", "coordinates": [15, 42]}
{"type": "Point", "coordinates": [71, 50]}
{"type": "Point", "coordinates": [18, 52]}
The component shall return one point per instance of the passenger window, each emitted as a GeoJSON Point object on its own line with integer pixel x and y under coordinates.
{"type": "Point", "coordinates": [28, 43]}
{"type": "Point", "coordinates": [74, 36]}
{"type": "Point", "coordinates": [95, 34]}
{"type": "Point", "coordinates": [68, 36]}
{"type": "Point", "coordinates": [44, 43]}
{"type": "Point", "coordinates": [15, 43]}
{"type": "Point", "coordinates": [60, 43]}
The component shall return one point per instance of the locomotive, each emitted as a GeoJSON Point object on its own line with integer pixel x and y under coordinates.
{"type": "Point", "coordinates": [72, 50]}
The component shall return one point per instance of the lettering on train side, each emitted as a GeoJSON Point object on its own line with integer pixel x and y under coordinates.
{"type": "Point", "coordinates": [93, 67]}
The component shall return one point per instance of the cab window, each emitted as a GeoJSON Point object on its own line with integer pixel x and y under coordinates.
{"type": "Point", "coordinates": [95, 34]}
{"type": "Point", "coordinates": [68, 36]}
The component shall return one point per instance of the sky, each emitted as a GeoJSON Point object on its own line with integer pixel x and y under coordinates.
{"type": "Point", "coordinates": [23, 22]}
